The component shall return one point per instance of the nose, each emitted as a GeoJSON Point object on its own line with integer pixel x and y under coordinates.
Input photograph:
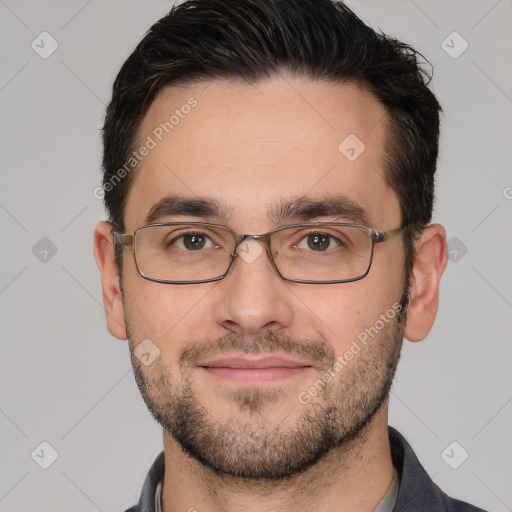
{"type": "Point", "coordinates": [253, 298]}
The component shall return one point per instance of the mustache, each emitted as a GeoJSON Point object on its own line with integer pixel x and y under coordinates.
{"type": "Point", "coordinates": [317, 351]}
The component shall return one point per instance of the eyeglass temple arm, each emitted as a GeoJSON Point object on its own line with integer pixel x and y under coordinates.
{"type": "Point", "coordinates": [381, 237]}
{"type": "Point", "coordinates": [122, 239]}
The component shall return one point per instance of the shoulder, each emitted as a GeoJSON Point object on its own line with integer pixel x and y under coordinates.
{"type": "Point", "coordinates": [417, 490]}
{"type": "Point", "coordinates": [147, 501]}
{"type": "Point", "coordinates": [452, 505]}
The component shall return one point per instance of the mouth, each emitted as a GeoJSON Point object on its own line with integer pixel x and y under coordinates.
{"type": "Point", "coordinates": [266, 369]}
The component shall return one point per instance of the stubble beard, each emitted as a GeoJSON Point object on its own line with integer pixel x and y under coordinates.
{"type": "Point", "coordinates": [245, 445]}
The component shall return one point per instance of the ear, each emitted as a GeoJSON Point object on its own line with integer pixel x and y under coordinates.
{"type": "Point", "coordinates": [112, 296]}
{"type": "Point", "coordinates": [429, 265]}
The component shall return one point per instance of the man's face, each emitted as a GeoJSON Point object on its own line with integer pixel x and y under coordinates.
{"type": "Point", "coordinates": [252, 149]}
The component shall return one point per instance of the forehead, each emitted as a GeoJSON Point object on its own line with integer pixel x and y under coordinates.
{"type": "Point", "coordinates": [251, 147]}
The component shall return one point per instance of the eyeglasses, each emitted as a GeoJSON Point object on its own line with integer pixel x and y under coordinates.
{"type": "Point", "coordinates": [197, 252]}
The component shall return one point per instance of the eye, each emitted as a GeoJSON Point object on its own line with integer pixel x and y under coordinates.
{"type": "Point", "coordinates": [318, 242]}
{"type": "Point", "coordinates": [191, 242]}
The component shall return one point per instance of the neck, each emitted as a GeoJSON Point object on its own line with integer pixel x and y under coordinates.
{"type": "Point", "coordinates": [353, 477]}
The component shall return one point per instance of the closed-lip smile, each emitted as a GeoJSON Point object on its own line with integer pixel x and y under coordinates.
{"type": "Point", "coordinates": [254, 370]}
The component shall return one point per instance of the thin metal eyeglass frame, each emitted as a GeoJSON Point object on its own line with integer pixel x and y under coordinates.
{"type": "Point", "coordinates": [127, 240]}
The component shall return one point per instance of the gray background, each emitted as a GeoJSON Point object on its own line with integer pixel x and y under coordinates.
{"type": "Point", "coordinates": [66, 381]}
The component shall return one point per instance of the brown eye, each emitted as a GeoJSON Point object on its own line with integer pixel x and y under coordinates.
{"type": "Point", "coordinates": [189, 242]}
{"type": "Point", "coordinates": [194, 241]}
{"type": "Point", "coordinates": [319, 241]}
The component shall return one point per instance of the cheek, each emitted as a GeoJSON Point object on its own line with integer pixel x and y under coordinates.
{"type": "Point", "coordinates": [341, 312]}
{"type": "Point", "coordinates": [164, 313]}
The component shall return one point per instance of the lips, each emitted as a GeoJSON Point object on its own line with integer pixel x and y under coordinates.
{"type": "Point", "coordinates": [265, 362]}
{"type": "Point", "coordinates": [264, 369]}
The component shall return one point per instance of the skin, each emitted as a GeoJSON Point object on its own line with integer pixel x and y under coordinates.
{"type": "Point", "coordinates": [252, 146]}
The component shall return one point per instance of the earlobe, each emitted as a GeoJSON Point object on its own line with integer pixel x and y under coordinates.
{"type": "Point", "coordinates": [112, 296]}
{"type": "Point", "coordinates": [429, 265]}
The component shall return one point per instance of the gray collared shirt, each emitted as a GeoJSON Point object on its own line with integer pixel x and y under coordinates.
{"type": "Point", "coordinates": [411, 490]}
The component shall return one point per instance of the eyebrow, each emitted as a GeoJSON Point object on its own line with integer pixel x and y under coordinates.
{"type": "Point", "coordinates": [336, 207]}
{"type": "Point", "coordinates": [179, 205]}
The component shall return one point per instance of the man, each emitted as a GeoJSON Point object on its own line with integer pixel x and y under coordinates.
{"type": "Point", "coordinates": [268, 174]}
